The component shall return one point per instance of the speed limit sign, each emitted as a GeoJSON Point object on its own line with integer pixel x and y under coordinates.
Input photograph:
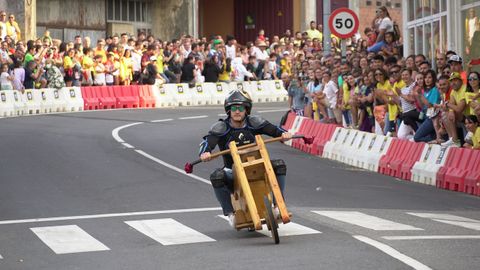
{"type": "Point", "coordinates": [343, 23]}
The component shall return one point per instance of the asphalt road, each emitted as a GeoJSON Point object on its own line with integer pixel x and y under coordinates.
{"type": "Point", "coordinates": [102, 190]}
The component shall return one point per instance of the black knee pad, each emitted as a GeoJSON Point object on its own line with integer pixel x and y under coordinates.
{"type": "Point", "coordinates": [218, 178]}
{"type": "Point", "coordinates": [279, 166]}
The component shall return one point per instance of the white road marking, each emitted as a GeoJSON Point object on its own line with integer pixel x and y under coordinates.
{"type": "Point", "coordinates": [288, 229]}
{"type": "Point", "coordinates": [393, 253]}
{"type": "Point", "coordinates": [193, 117]}
{"type": "Point", "coordinates": [127, 214]}
{"type": "Point", "coordinates": [162, 120]}
{"type": "Point", "coordinates": [127, 145]}
{"type": "Point", "coordinates": [451, 219]}
{"type": "Point", "coordinates": [161, 162]}
{"type": "Point", "coordinates": [1, 258]}
{"type": "Point", "coordinates": [431, 237]}
{"type": "Point", "coordinates": [367, 221]}
{"type": "Point", "coordinates": [277, 110]}
{"type": "Point", "coordinates": [222, 114]}
{"type": "Point", "coordinates": [169, 231]}
{"type": "Point", "coordinates": [115, 131]}
{"type": "Point", "coordinates": [68, 239]}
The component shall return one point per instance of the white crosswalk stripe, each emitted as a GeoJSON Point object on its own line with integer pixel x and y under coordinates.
{"type": "Point", "coordinates": [289, 229]}
{"type": "Point", "coordinates": [451, 219]}
{"type": "Point", "coordinates": [68, 239]}
{"type": "Point", "coordinates": [367, 221]}
{"type": "Point", "coordinates": [168, 231]}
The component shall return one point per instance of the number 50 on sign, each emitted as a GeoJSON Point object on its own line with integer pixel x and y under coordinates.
{"type": "Point", "coordinates": [343, 23]}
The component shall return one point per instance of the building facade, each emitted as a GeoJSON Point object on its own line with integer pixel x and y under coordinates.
{"type": "Point", "coordinates": [432, 26]}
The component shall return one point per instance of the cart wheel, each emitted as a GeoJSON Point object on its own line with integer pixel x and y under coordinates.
{"type": "Point", "coordinates": [271, 221]}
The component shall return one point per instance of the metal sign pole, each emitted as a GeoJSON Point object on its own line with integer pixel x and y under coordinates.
{"type": "Point", "coordinates": [343, 47]}
{"type": "Point", "coordinates": [326, 28]}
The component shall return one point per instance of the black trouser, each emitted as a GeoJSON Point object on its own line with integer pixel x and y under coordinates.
{"type": "Point", "coordinates": [411, 118]}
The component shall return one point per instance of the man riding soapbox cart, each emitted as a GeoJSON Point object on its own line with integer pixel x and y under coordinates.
{"type": "Point", "coordinates": [257, 196]}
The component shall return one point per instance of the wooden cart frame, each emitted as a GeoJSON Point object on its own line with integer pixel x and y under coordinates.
{"type": "Point", "coordinates": [255, 186]}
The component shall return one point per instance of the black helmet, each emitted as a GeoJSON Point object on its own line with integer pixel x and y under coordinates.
{"type": "Point", "coordinates": [238, 97]}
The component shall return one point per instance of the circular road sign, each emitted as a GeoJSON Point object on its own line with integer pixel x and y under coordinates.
{"type": "Point", "coordinates": [343, 23]}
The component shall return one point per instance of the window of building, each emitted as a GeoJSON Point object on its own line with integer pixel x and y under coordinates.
{"type": "Point", "coordinates": [129, 10]}
{"type": "Point", "coordinates": [471, 32]}
{"type": "Point", "coordinates": [398, 5]}
{"type": "Point", "coordinates": [368, 3]}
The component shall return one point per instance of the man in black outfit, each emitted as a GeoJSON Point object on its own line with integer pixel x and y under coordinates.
{"type": "Point", "coordinates": [240, 127]}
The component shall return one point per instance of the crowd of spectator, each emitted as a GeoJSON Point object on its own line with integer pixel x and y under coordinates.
{"type": "Point", "coordinates": [374, 88]}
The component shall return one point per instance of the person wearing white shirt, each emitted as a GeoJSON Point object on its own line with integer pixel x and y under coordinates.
{"type": "Point", "coordinates": [330, 92]}
{"type": "Point", "coordinates": [230, 47]}
{"type": "Point", "coordinates": [239, 70]}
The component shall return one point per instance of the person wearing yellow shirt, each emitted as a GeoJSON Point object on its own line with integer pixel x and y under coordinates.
{"type": "Point", "coordinates": [393, 109]}
{"type": "Point", "coordinates": [88, 66]}
{"type": "Point", "coordinates": [472, 140]}
{"type": "Point", "coordinates": [226, 71]}
{"type": "Point", "coordinates": [126, 68]}
{"type": "Point", "coordinates": [286, 63]}
{"type": "Point", "coordinates": [456, 109]}
{"type": "Point", "coordinates": [385, 93]}
{"type": "Point", "coordinates": [68, 65]}
{"type": "Point", "coordinates": [99, 50]}
{"type": "Point", "coordinates": [13, 30]}
{"type": "Point", "coordinates": [313, 31]}
{"type": "Point", "coordinates": [160, 65]}
{"type": "Point", "coordinates": [472, 96]}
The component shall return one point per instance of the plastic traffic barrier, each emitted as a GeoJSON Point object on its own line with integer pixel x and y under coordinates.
{"type": "Point", "coordinates": [324, 135]}
{"type": "Point", "coordinates": [200, 95]}
{"type": "Point", "coordinates": [360, 144]}
{"type": "Point", "coordinates": [218, 92]}
{"type": "Point", "coordinates": [182, 95]}
{"type": "Point", "coordinates": [370, 158]}
{"type": "Point", "coordinates": [305, 129]}
{"type": "Point", "coordinates": [349, 149]}
{"type": "Point", "coordinates": [7, 103]}
{"type": "Point", "coordinates": [57, 103]}
{"type": "Point", "coordinates": [164, 97]}
{"type": "Point", "coordinates": [33, 101]}
{"type": "Point", "coordinates": [126, 95]}
{"type": "Point", "coordinates": [73, 98]}
{"type": "Point", "coordinates": [260, 92]}
{"type": "Point", "coordinates": [90, 98]}
{"type": "Point", "coordinates": [106, 96]}
{"type": "Point", "coordinates": [291, 116]}
{"type": "Point", "coordinates": [339, 137]}
{"type": "Point", "coordinates": [460, 163]}
{"type": "Point", "coordinates": [276, 90]}
{"type": "Point", "coordinates": [297, 124]}
{"type": "Point", "coordinates": [432, 159]}
{"type": "Point", "coordinates": [400, 158]}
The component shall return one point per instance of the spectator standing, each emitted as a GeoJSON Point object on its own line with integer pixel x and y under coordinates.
{"type": "Point", "coordinates": [211, 70]}
{"type": "Point", "coordinates": [3, 25]}
{"type": "Point", "coordinates": [53, 75]}
{"type": "Point", "coordinates": [13, 30]}
{"type": "Point", "coordinates": [18, 73]}
{"type": "Point", "coordinates": [5, 78]}
{"type": "Point", "coordinates": [99, 74]}
{"type": "Point", "coordinates": [188, 69]}
{"type": "Point", "coordinates": [32, 74]}
{"type": "Point", "coordinates": [296, 96]}
{"type": "Point", "coordinates": [313, 32]}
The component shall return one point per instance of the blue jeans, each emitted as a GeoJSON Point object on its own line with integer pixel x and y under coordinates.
{"type": "Point", "coordinates": [425, 132]}
{"type": "Point", "coordinates": [348, 117]}
{"type": "Point", "coordinates": [223, 193]}
{"type": "Point", "coordinates": [376, 47]}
